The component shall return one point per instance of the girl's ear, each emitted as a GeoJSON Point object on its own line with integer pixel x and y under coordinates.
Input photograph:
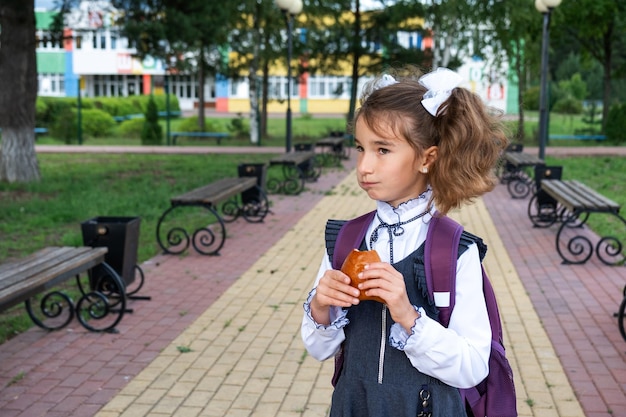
{"type": "Point", "coordinates": [430, 155]}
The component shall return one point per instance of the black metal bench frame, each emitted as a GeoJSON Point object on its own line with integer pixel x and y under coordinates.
{"type": "Point", "coordinates": [42, 272]}
{"type": "Point", "coordinates": [241, 196]}
{"type": "Point", "coordinates": [576, 202]}
{"type": "Point", "coordinates": [621, 315]}
{"type": "Point", "coordinates": [543, 209]}
{"type": "Point", "coordinates": [333, 149]}
{"type": "Point", "coordinates": [297, 167]}
{"type": "Point", "coordinates": [516, 174]}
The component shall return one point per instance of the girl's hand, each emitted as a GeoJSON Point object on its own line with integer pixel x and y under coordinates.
{"type": "Point", "coordinates": [383, 280]}
{"type": "Point", "coordinates": [333, 289]}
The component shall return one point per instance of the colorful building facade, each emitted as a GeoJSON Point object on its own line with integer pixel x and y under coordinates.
{"type": "Point", "coordinates": [95, 60]}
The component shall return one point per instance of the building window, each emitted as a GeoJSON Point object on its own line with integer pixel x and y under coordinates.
{"type": "Point", "coordinates": [51, 85]}
{"type": "Point", "coordinates": [329, 87]}
{"type": "Point", "coordinates": [46, 41]}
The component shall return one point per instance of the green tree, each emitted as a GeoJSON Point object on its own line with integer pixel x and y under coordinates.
{"type": "Point", "coordinates": [568, 63]}
{"type": "Point", "coordinates": [513, 30]}
{"type": "Point", "coordinates": [152, 132]}
{"type": "Point", "coordinates": [18, 75]}
{"type": "Point", "coordinates": [341, 36]}
{"type": "Point", "coordinates": [457, 31]}
{"type": "Point", "coordinates": [187, 35]}
{"type": "Point", "coordinates": [598, 27]}
{"type": "Point", "coordinates": [256, 39]}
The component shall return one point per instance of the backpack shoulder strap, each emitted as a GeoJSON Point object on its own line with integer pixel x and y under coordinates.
{"type": "Point", "coordinates": [349, 236]}
{"type": "Point", "coordinates": [442, 246]}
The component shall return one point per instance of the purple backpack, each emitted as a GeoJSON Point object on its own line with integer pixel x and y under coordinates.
{"type": "Point", "coordinates": [495, 395]}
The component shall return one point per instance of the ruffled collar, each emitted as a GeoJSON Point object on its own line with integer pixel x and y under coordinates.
{"type": "Point", "coordinates": [404, 211]}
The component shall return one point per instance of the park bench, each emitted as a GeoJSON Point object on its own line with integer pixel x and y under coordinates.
{"type": "Point", "coordinates": [516, 172]}
{"type": "Point", "coordinates": [240, 196]}
{"type": "Point", "coordinates": [218, 136]}
{"type": "Point", "coordinates": [578, 137]}
{"type": "Point", "coordinates": [296, 168]}
{"type": "Point", "coordinates": [333, 149]}
{"type": "Point", "coordinates": [543, 209]}
{"type": "Point", "coordinates": [99, 309]}
{"type": "Point", "coordinates": [125, 117]}
{"type": "Point", "coordinates": [576, 202]}
{"type": "Point", "coordinates": [504, 168]}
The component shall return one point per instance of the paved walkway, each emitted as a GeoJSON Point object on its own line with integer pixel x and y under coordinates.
{"type": "Point", "coordinates": [220, 336]}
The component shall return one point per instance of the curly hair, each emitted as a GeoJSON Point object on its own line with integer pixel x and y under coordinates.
{"type": "Point", "coordinates": [470, 138]}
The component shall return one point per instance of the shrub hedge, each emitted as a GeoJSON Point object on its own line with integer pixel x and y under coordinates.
{"type": "Point", "coordinates": [49, 108]}
{"type": "Point", "coordinates": [60, 114]}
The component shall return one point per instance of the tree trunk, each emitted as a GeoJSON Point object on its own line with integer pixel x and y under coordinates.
{"type": "Point", "coordinates": [201, 81]}
{"type": "Point", "coordinates": [253, 90]}
{"type": "Point", "coordinates": [265, 97]}
{"type": "Point", "coordinates": [18, 72]}
{"type": "Point", "coordinates": [356, 39]}
{"type": "Point", "coordinates": [254, 105]}
{"type": "Point", "coordinates": [521, 86]}
{"type": "Point", "coordinates": [608, 59]}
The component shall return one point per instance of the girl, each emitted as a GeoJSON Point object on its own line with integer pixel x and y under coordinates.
{"type": "Point", "coordinates": [424, 145]}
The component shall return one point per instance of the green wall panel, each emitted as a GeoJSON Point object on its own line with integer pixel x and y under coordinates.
{"type": "Point", "coordinates": [43, 20]}
{"type": "Point", "coordinates": [51, 62]}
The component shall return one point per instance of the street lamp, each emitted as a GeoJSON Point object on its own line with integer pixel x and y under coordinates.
{"type": "Point", "coordinates": [544, 7]}
{"type": "Point", "coordinates": [290, 9]}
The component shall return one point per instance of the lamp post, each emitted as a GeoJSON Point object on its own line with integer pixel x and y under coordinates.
{"type": "Point", "coordinates": [290, 9]}
{"type": "Point", "coordinates": [544, 7]}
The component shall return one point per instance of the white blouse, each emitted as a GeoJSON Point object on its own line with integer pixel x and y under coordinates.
{"type": "Point", "coordinates": [457, 355]}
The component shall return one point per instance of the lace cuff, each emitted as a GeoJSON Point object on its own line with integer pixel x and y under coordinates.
{"type": "Point", "coordinates": [338, 318]}
{"type": "Point", "coordinates": [398, 337]}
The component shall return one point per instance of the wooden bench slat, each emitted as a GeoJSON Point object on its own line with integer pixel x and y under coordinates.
{"type": "Point", "coordinates": [58, 261]}
{"type": "Point", "coordinates": [584, 200]}
{"type": "Point", "coordinates": [522, 159]}
{"type": "Point", "coordinates": [39, 260]}
{"type": "Point", "coordinates": [216, 192]}
{"type": "Point", "coordinates": [596, 196]}
{"type": "Point", "coordinates": [330, 141]}
{"type": "Point", "coordinates": [30, 279]}
{"type": "Point", "coordinates": [576, 196]}
{"type": "Point", "coordinates": [556, 189]}
{"type": "Point", "coordinates": [294, 158]}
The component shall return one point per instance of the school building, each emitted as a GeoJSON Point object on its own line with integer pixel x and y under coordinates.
{"type": "Point", "coordinates": [94, 60]}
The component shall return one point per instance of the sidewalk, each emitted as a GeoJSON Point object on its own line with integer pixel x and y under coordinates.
{"type": "Point", "coordinates": [239, 314]}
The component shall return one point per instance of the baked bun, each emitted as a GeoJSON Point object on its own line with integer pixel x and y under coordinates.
{"type": "Point", "coordinates": [355, 263]}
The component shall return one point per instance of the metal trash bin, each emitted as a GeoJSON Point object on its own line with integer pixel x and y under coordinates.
{"type": "Point", "coordinates": [259, 171]}
{"type": "Point", "coordinates": [121, 236]}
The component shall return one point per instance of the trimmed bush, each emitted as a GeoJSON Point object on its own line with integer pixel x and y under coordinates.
{"type": "Point", "coordinates": [116, 106]}
{"type": "Point", "coordinates": [615, 128]}
{"type": "Point", "coordinates": [131, 128]}
{"type": "Point", "coordinates": [94, 123]}
{"type": "Point", "coordinates": [152, 133]}
{"type": "Point", "coordinates": [568, 105]}
{"type": "Point", "coordinates": [50, 109]}
{"type": "Point", "coordinates": [531, 98]}
{"type": "Point", "coordinates": [190, 124]}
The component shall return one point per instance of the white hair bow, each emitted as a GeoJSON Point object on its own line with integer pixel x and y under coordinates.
{"type": "Point", "coordinates": [385, 81]}
{"type": "Point", "coordinates": [440, 84]}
